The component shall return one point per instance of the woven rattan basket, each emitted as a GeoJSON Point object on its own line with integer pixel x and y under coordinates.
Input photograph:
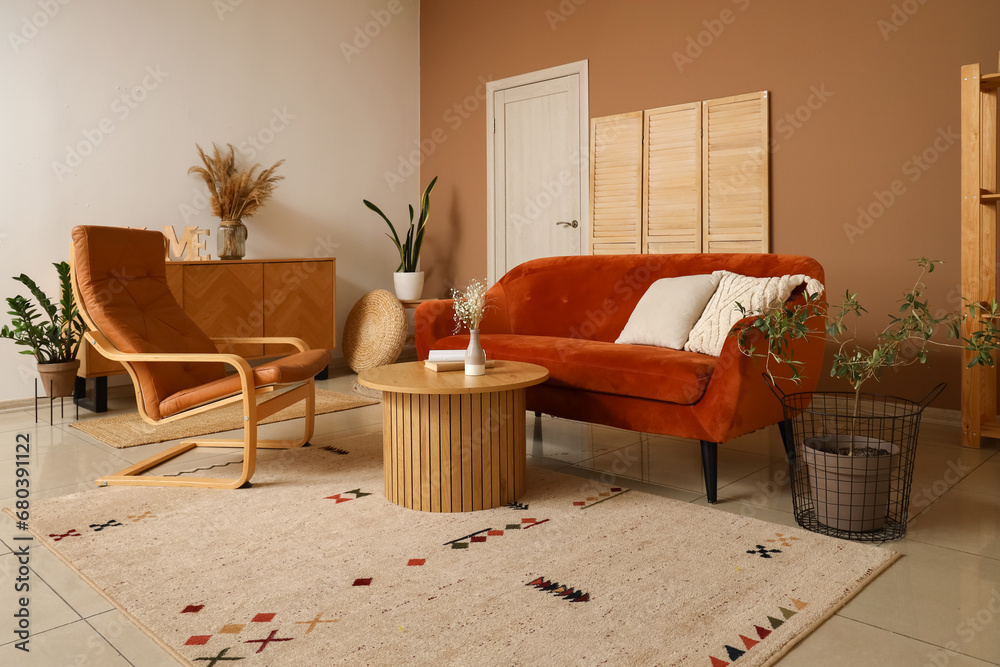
{"type": "Point", "coordinates": [375, 331]}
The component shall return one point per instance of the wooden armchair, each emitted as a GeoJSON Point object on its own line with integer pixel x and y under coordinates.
{"type": "Point", "coordinates": [119, 281]}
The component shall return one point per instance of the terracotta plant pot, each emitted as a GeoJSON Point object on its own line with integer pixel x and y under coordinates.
{"type": "Point", "coordinates": [850, 492]}
{"type": "Point", "coordinates": [58, 379]}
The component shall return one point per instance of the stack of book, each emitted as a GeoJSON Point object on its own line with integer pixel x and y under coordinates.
{"type": "Point", "coordinates": [449, 360]}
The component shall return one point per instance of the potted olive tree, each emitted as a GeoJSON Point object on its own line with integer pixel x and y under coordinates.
{"type": "Point", "coordinates": [851, 453]}
{"type": "Point", "coordinates": [52, 336]}
{"type": "Point", "coordinates": [408, 279]}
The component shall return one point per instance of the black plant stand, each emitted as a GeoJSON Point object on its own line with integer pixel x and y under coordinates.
{"type": "Point", "coordinates": [62, 411]}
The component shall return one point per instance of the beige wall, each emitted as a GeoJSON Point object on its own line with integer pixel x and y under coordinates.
{"type": "Point", "coordinates": [860, 90]}
{"type": "Point", "coordinates": [136, 84]}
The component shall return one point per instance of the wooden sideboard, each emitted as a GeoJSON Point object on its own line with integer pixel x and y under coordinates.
{"type": "Point", "coordinates": [255, 297]}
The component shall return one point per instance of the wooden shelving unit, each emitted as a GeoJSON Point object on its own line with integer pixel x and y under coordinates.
{"type": "Point", "coordinates": [979, 241]}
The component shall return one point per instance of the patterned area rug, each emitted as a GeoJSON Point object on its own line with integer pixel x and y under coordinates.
{"type": "Point", "coordinates": [312, 566]}
{"type": "Point", "coordinates": [129, 430]}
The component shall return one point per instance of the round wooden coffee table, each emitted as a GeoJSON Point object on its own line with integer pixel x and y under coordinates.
{"type": "Point", "coordinates": [453, 442]}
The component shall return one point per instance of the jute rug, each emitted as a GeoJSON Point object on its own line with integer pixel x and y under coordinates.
{"type": "Point", "coordinates": [129, 430]}
{"type": "Point", "coordinates": [312, 566]}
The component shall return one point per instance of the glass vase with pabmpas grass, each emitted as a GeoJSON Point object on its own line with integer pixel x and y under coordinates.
{"type": "Point", "coordinates": [235, 194]}
{"type": "Point", "coordinates": [851, 453]}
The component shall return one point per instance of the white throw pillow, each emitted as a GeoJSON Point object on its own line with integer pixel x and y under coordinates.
{"type": "Point", "coordinates": [667, 311]}
{"type": "Point", "coordinates": [709, 333]}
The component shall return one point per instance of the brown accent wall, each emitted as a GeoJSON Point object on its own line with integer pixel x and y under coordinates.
{"type": "Point", "coordinates": [860, 91]}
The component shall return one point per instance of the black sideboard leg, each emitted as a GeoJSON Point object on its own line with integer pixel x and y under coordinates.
{"type": "Point", "coordinates": [100, 401]}
{"type": "Point", "coordinates": [710, 464]}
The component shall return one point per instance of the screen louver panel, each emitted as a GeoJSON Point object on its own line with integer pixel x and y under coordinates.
{"type": "Point", "coordinates": [616, 182]}
{"type": "Point", "coordinates": [672, 179]}
{"type": "Point", "coordinates": [735, 181]}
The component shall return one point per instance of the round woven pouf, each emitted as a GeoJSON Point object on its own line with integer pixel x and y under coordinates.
{"type": "Point", "coordinates": [375, 331]}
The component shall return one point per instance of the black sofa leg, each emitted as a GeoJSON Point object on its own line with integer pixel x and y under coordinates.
{"type": "Point", "coordinates": [787, 439]}
{"type": "Point", "coordinates": [710, 464]}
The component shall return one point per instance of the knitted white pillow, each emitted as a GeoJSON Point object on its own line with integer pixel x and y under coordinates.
{"type": "Point", "coordinates": [667, 311]}
{"type": "Point", "coordinates": [710, 331]}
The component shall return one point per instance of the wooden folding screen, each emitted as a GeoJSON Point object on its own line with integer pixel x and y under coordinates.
{"type": "Point", "coordinates": [701, 185]}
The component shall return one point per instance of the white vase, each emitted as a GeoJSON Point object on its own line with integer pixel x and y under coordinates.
{"type": "Point", "coordinates": [475, 357]}
{"type": "Point", "coordinates": [409, 284]}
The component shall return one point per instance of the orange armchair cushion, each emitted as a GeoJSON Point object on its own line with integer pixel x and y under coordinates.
{"type": "Point", "coordinates": [293, 368]}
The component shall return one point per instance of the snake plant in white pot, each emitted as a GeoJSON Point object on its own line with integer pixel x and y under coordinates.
{"type": "Point", "coordinates": [408, 279]}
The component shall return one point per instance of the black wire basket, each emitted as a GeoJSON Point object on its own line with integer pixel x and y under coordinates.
{"type": "Point", "coordinates": [851, 461]}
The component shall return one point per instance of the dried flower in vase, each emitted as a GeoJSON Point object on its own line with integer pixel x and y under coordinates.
{"type": "Point", "coordinates": [235, 193]}
{"type": "Point", "coordinates": [470, 305]}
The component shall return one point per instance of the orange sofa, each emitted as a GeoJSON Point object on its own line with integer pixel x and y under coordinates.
{"type": "Point", "coordinates": [564, 313]}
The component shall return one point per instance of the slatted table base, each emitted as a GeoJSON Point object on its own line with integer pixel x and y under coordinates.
{"type": "Point", "coordinates": [454, 453]}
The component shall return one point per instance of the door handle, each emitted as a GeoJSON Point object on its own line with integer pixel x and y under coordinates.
{"type": "Point", "coordinates": [563, 223]}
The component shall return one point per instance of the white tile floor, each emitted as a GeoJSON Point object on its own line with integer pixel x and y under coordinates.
{"type": "Point", "coordinates": [938, 606]}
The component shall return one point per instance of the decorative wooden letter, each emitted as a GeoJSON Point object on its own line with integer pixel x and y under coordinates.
{"type": "Point", "coordinates": [189, 245]}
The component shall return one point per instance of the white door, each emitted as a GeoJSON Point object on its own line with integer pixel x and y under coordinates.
{"type": "Point", "coordinates": [538, 167]}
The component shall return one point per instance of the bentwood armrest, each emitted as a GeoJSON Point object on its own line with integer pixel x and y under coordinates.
{"type": "Point", "coordinates": [270, 340]}
{"type": "Point", "coordinates": [107, 348]}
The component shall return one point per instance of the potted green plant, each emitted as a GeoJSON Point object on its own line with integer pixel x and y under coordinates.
{"type": "Point", "coordinates": [408, 278]}
{"type": "Point", "coordinates": [852, 453]}
{"type": "Point", "coordinates": [235, 194]}
{"type": "Point", "coordinates": [53, 336]}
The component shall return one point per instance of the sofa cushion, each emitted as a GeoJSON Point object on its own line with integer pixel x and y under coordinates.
{"type": "Point", "coordinates": [667, 311]}
{"type": "Point", "coordinates": [709, 333]}
{"type": "Point", "coordinates": [641, 371]}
